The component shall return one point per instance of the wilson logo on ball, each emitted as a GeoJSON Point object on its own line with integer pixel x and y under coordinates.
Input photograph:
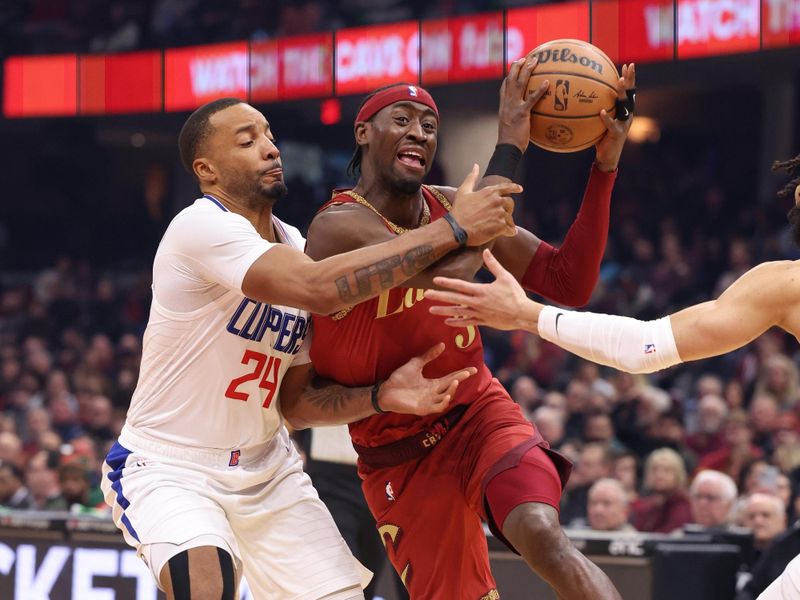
{"type": "Point", "coordinates": [565, 55]}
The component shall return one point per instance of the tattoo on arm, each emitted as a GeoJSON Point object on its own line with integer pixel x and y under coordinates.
{"type": "Point", "coordinates": [328, 396]}
{"type": "Point", "coordinates": [386, 271]}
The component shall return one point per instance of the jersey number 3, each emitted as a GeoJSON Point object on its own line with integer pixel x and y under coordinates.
{"type": "Point", "coordinates": [268, 365]}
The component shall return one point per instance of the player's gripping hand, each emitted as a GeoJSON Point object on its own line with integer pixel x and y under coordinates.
{"type": "Point", "coordinates": [487, 213]}
{"type": "Point", "coordinates": [514, 114]}
{"type": "Point", "coordinates": [501, 304]}
{"type": "Point", "coordinates": [407, 391]}
{"type": "Point", "coordinates": [609, 148]}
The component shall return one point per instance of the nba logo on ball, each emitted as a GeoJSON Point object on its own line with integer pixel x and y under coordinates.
{"type": "Point", "coordinates": [561, 97]}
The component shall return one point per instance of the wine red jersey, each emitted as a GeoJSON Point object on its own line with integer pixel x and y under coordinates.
{"type": "Point", "coordinates": [367, 343]}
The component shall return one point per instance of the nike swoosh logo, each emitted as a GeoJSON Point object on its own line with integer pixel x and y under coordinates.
{"type": "Point", "coordinates": [558, 316]}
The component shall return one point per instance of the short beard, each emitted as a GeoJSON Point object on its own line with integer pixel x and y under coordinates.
{"type": "Point", "coordinates": [273, 193]}
{"type": "Point", "coordinates": [794, 220]}
{"type": "Point", "coordinates": [405, 187]}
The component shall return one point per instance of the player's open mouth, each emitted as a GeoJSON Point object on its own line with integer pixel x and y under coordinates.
{"type": "Point", "coordinates": [411, 158]}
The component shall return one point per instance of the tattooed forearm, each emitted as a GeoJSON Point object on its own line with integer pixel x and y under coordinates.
{"type": "Point", "coordinates": [387, 272]}
{"type": "Point", "coordinates": [418, 259]}
{"type": "Point", "coordinates": [328, 403]}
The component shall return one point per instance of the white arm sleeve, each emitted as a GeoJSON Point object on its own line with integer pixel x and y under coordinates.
{"type": "Point", "coordinates": [621, 342]}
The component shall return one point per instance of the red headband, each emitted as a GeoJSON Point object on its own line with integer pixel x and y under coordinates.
{"type": "Point", "coordinates": [396, 93]}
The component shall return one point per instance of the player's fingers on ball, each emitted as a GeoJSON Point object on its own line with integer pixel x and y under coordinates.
{"type": "Point", "coordinates": [621, 87]}
{"type": "Point", "coordinates": [513, 72]}
{"type": "Point", "coordinates": [527, 69]}
{"type": "Point", "coordinates": [537, 94]}
{"type": "Point", "coordinates": [607, 120]}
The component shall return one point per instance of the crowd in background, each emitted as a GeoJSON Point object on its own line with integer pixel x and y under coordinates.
{"type": "Point", "coordinates": [55, 26]}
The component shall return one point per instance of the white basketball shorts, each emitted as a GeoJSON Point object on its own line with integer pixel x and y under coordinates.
{"type": "Point", "coordinates": [256, 503]}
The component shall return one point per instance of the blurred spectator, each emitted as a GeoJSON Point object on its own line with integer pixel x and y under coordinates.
{"type": "Point", "coordinates": [764, 413]}
{"type": "Point", "coordinates": [773, 561]}
{"type": "Point", "coordinates": [666, 507]}
{"type": "Point", "coordinates": [780, 377]}
{"type": "Point", "coordinates": [625, 469]}
{"type": "Point", "coordinates": [594, 463]}
{"type": "Point", "coordinates": [13, 493]}
{"type": "Point", "coordinates": [738, 451]}
{"type": "Point", "coordinates": [41, 478]}
{"type": "Point", "coordinates": [76, 490]}
{"type": "Point", "coordinates": [765, 516]}
{"type": "Point", "coordinates": [578, 395]}
{"type": "Point", "coordinates": [712, 496]}
{"type": "Point", "coordinates": [10, 448]}
{"type": "Point", "coordinates": [609, 506]}
{"type": "Point", "coordinates": [525, 392]}
{"type": "Point", "coordinates": [598, 427]}
{"type": "Point", "coordinates": [550, 422]}
{"type": "Point", "coordinates": [711, 414]}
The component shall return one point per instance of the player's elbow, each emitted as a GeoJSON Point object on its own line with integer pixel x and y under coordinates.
{"type": "Point", "coordinates": [324, 300]}
{"type": "Point", "coordinates": [577, 297]}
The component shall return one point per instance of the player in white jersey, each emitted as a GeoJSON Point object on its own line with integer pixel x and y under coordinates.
{"type": "Point", "coordinates": [204, 481]}
{"type": "Point", "coordinates": [766, 296]}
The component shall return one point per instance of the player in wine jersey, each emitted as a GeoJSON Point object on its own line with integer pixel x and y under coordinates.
{"type": "Point", "coordinates": [429, 481]}
{"type": "Point", "coordinates": [765, 296]}
{"type": "Point", "coordinates": [204, 481]}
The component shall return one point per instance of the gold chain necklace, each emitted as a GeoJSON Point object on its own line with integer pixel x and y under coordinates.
{"type": "Point", "coordinates": [424, 219]}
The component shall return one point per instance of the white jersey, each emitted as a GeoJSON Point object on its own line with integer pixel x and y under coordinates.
{"type": "Point", "coordinates": [213, 360]}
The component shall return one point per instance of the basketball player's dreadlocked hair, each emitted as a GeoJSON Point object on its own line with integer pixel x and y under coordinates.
{"type": "Point", "coordinates": [792, 167]}
{"type": "Point", "coordinates": [354, 166]}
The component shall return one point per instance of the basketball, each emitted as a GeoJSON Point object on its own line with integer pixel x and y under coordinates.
{"type": "Point", "coordinates": [583, 80]}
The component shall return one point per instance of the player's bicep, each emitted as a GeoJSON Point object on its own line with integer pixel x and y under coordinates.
{"type": "Point", "coordinates": [280, 276]}
{"type": "Point", "coordinates": [733, 320]}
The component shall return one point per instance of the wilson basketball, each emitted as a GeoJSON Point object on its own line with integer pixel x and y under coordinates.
{"type": "Point", "coordinates": [583, 80]}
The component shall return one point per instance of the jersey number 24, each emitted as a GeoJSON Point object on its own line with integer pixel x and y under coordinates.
{"type": "Point", "coordinates": [268, 365]}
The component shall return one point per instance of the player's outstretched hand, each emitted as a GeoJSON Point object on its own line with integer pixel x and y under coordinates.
{"type": "Point", "coordinates": [514, 114]}
{"type": "Point", "coordinates": [609, 148]}
{"type": "Point", "coordinates": [501, 304]}
{"type": "Point", "coordinates": [487, 213]}
{"type": "Point", "coordinates": [407, 391]}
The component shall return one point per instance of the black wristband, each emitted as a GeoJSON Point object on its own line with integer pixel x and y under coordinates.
{"type": "Point", "coordinates": [625, 108]}
{"type": "Point", "coordinates": [458, 231]}
{"type": "Point", "coordinates": [504, 161]}
{"type": "Point", "coordinates": [374, 394]}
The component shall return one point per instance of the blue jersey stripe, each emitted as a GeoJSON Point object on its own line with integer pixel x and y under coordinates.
{"type": "Point", "coordinates": [215, 201]}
